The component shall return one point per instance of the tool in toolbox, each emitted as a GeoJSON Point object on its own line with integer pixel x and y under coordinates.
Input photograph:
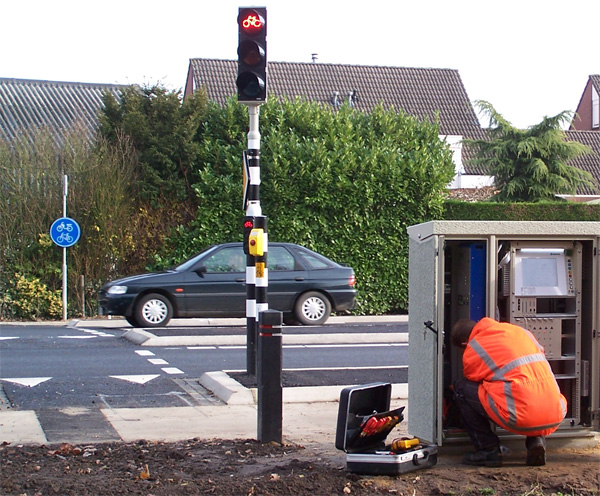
{"type": "Point", "coordinates": [364, 422]}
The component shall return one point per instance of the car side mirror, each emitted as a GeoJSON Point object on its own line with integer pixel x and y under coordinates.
{"type": "Point", "coordinates": [201, 270]}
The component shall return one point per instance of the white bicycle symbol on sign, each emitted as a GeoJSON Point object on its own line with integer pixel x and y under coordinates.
{"type": "Point", "coordinates": [64, 237]}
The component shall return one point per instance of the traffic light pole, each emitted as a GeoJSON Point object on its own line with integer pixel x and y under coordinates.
{"type": "Point", "coordinates": [257, 277]}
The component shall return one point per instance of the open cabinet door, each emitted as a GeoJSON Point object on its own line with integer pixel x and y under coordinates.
{"type": "Point", "coordinates": [425, 293]}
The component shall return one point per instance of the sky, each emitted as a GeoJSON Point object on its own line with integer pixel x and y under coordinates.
{"type": "Point", "coordinates": [528, 58]}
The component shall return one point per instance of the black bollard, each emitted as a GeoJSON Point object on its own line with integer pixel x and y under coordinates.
{"type": "Point", "coordinates": [268, 377]}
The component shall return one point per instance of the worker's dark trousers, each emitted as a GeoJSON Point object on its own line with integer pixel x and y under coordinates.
{"type": "Point", "coordinates": [473, 416]}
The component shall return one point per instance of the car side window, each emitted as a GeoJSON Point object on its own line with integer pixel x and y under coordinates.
{"type": "Point", "coordinates": [280, 259]}
{"type": "Point", "coordinates": [230, 259]}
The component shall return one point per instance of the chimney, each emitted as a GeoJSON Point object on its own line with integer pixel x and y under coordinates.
{"type": "Point", "coordinates": [314, 56]}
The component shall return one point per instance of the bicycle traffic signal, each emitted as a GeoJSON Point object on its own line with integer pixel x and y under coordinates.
{"type": "Point", "coordinates": [248, 227]}
{"type": "Point", "coordinates": [252, 55]}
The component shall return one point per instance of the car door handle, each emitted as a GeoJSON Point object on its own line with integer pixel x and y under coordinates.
{"type": "Point", "coordinates": [299, 278]}
{"type": "Point", "coordinates": [240, 279]}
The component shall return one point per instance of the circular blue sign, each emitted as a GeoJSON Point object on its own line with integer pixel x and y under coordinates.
{"type": "Point", "coordinates": [65, 232]}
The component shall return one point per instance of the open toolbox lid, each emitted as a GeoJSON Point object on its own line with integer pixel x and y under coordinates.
{"type": "Point", "coordinates": [364, 418]}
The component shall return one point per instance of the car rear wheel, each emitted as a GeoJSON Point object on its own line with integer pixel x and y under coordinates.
{"type": "Point", "coordinates": [153, 310]}
{"type": "Point", "coordinates": [132, 321]}
{"type": "Point", "coordinates": [312, 308]}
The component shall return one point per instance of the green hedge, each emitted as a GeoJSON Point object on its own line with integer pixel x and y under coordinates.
{"type": "Point", "coordinates": [346, 184]}
{"type": "Point", "coordinates": [460, 210]}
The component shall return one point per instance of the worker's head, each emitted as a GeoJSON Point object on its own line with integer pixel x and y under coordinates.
{"type": "Point", "coordinates": [461, 332]}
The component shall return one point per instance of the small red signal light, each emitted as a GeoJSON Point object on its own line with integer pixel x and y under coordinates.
{"type": "Point", "coordinates": [248, 224]}
{"type": "Point", "coordinates": [252, 22]}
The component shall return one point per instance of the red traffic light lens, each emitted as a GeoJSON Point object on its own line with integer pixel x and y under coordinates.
{"type": "Point", "coordinates": [251, 22]}
{"type": "Point", "coordinates": [248, 224]}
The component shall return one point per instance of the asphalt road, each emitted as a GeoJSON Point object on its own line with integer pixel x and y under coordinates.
{"type": "Point", "coordinates": [45, 367]}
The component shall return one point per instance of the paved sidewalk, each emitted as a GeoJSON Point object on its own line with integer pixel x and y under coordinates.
{"type": "Point", "coordinates": [304, 420]}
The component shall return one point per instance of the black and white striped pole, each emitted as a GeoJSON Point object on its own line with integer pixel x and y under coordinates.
{"type": "Point", "coordinates": [255, 241]}
{"type": "Point", "coordinates": [251, 85]}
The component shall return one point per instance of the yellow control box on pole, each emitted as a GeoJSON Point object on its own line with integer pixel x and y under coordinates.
{"type": "Point", "coordinates": [256, 242]}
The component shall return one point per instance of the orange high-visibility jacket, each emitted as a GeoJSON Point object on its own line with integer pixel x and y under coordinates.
{"type": "Point", "coordinates": [517, 387]}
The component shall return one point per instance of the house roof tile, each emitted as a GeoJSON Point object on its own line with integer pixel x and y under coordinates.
{"type": "Point", "coordinates": [421, 92]}
{"type": "Point", "coordinates": [588, 162]}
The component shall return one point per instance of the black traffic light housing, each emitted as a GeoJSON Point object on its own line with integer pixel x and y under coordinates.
{"type": "Point", "coordinates": [252, 55]}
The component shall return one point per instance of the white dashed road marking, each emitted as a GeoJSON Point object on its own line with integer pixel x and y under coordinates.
{"type": "Point", "coordinates": [158, 361]}
{"type": "Point", "coordinates": [172, 370]}
{"type": "Point", "coordinates": [144, 353]}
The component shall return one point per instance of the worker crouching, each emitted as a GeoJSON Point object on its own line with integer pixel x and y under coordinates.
{"type": "Point", "coordinates": [508, 381]}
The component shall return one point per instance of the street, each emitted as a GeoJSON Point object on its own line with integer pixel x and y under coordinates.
{"type": "Point", "coordinates": [58, 366]}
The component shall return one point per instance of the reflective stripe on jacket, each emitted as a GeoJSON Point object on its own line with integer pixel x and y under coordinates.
{"type": "Point", "coordinates": [517, 387]}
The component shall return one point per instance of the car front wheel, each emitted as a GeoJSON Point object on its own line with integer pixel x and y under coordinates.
{"type": "Point", "coordinates": [153, 310]}
{"type": "Point", "coordinates": [312, 308]}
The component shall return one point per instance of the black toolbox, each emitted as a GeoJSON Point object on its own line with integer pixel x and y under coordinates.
{"type": "Point", "coordinates": [364, 422]}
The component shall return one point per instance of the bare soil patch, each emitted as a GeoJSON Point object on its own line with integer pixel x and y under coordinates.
{"type": "Point", "coordinates": [247, 467]}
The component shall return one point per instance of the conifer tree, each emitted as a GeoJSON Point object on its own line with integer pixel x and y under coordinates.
{"type": "Point", "coordinates": [533, 164]}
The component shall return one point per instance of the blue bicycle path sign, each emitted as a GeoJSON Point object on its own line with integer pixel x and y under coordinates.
{"type": "Point", "coordinates": [65, 232]}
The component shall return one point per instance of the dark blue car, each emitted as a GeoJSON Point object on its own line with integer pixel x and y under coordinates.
{"type": "Point", "coordinates": [305, 286]}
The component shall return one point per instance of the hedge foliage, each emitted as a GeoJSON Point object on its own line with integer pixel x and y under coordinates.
{"type": "Point", "coordinates": [344, 183]}
{"type": "Point", "coordinates": [541, 211]}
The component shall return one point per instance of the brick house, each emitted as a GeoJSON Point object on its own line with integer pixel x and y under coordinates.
{"type": "Point", "coordinates": [587, 116]}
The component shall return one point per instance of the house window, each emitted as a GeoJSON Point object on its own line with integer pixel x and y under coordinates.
{"type": "Point", "coordinates": [595, 109]}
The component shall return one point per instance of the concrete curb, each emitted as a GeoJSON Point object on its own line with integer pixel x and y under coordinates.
{"type": "Point", "coordinates": [226, 389]}
{"type": "Point", "coordinates": [231, 392]}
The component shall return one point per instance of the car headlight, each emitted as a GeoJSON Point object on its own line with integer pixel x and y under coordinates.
{"type": "Point", "coordinates": [117, 290]}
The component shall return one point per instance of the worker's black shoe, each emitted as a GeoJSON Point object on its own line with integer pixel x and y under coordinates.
{"type": "Point", "coordinates": [484, 458]}
{"type": "Point", "coordinates": [536, 451]}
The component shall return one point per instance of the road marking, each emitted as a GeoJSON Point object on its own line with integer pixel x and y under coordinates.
{"type": "Point", "coordinates": [76, 337]}
{"type": "Point", "coordinates": [144, 353]}
{"type": "Point", "coordinates": [349, 345]}
{"type": "Point", "coordinates": [27, 381]}
{"type": "Point", "coordinates": [8, 337]}
{"type": "Point", "coordinates": [158, 361]}
{"type": "Point", "coordinates": [315, 369]}
{"type": "Point", "coordinates": [100, 334]}
{"type": "Point", "coordinates": [203, 347]}
{"type": "Point", "coordinates": [138, 379]}
{"type": "Point", "coordinates": [172, 370]}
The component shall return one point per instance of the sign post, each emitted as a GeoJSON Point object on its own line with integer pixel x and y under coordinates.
{"type": "Point", "coordinates": [65, 232]}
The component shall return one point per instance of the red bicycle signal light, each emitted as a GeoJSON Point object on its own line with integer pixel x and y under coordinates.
{"type": "Point", "coordinates": [248, 226]}
{"type": "Point", "coordinates": [251, 22]}
{"type": "Point", "coordinates": [251, 80]}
